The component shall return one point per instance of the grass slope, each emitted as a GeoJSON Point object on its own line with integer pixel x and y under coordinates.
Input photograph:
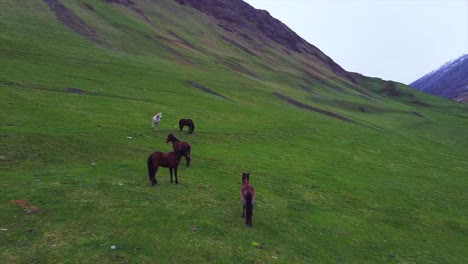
{"type": "Point", "coordinates": [390, 187]}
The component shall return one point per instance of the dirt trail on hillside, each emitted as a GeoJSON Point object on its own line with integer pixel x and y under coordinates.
{"type": "Point", "coordinates": [72, 21]}
{"type": "Point", "coordinates": [311, 108]}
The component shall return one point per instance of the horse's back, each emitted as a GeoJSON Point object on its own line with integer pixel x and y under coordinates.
{"type": "Point", "coordinates": [164, 159]}
{"type": "Point", "coordinates": [186, 122]}
{"type": "Point", "coordinates": [248, 190]}
{"type": "Point", "coordinates": [190, 123]}
{"type": "Point", "coordinates": [158, 157]}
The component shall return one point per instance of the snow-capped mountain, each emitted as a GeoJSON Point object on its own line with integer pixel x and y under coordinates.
{"type": "Point", "coordinates": [449, 81]}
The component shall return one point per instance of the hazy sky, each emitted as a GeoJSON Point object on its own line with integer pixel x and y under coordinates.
{"type": "Point", "coordinates": [399, 40]}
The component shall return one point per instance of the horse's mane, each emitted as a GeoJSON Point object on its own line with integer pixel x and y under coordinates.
{"type": "Point", "coordinates": [172, 137]}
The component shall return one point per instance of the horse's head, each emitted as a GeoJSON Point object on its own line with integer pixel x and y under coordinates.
{"type": "Point", "coordinates": [170, 137]}
{"type": "Point", "coordinates": [245, 177]}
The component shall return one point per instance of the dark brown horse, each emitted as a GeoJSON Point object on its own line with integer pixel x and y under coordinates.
{"type": "Point", "coordinates": [186, 122]}
{"type": "Point", "coordinates": [177, 144]}
{"type": "Point", "coordinates": [169, 160]}
{"type": "Point", "coordinates": [248, 198]}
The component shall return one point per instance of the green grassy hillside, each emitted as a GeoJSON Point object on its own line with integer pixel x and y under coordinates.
{"type": "Point", "coordinates": [363, 172]}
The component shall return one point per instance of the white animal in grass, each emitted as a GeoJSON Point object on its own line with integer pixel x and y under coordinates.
{"type": "Point", "coordinates": [156, 120]}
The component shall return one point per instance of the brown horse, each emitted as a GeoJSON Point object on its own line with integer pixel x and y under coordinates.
{"type": "Point", "coordinates": [186, 122]}
{"type": "Point", "coordinates": [177, 144]}
{"type": "Point", "coordinates": [248, 198]}
{"type": "Point", "coordinates": [169, 160]}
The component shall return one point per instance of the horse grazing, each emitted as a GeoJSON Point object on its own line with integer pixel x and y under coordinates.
{"type": "Point", "coordinates": [186, 122]}
{"type": "Point", "coordinates": [177, 144]}
{"type": "Point", "coordinates": [248, 198]}
{"type": "Point", "coordinates": [169, 160]}
{"type": "Point", "coordinates": [156, 120]}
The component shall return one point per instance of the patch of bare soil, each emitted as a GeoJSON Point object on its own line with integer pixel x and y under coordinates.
{"type": "Point", "coordinates": [419, 103]}
{"type": "Point", "coordinates": [237, 45]}
{"type": "Point", "coordinates": [207, 90]}
{"type": "Point", "coordinates": [127, 3]}
{"type": "Point", "coordinates": [130, 4]}
{"type": "Point", "coordinates": [237, 67]}
{"type": "Point", "coordinates": [78, 91]}
{"type": "Point", "coordinates": [416, 114]}
{"type": "Point", "coordinates": [69, 90]}
{"type": "Point", "coordinates": [311, 108]}
{"type": "Point", "coordinates": [28, 207]}
{"type": "Point", "coordinates": [181, 42]}
{"type": "Point", "coordinates": [84, 92]}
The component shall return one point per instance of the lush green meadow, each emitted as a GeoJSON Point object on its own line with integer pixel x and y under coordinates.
{"type": "Point", "coordinates": [75, 132]}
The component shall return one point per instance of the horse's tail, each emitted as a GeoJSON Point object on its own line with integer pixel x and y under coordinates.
{"type": "Point", "coordinates": [150, 167]}
{"type": "Point", "coordinates": [248, 208]}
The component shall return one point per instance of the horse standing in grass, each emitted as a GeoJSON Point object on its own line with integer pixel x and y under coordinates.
{"type": "Point", "coordinates": [169, 160]}
{"type": "Point", "coordinates": [156, 120]}
{"type": "Point", "coordinates": [177, 144]}
{"type": "Point", "coordinates": [186, 122]}
{"type": "Point", "coordinates": [248, 198]}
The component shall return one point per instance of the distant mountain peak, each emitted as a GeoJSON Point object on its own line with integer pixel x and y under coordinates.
{"type": "Point", "coordinates": [449, 81]}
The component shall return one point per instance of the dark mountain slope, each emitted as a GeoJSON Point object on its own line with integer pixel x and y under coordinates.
{"type": "Point", "coordinates": [449, 81]}
{"type": "Point", "coordinates": [237, 16]}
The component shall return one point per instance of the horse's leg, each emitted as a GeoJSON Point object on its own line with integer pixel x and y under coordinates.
{"type": "Point", "coordinates": [175, 171]}
{"type": "Point", "coordinates": [243, 207]}
{"type": "Point", "coordinates": [170, 170]}
{"type": "Point", "coordinates": [153, 180]}
{"type": "Point", "coordinates": [150, 167]}
{"type": "Point", "coordinates": [154, 176]}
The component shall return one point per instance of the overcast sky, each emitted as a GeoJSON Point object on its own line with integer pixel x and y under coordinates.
{"type": "Point", "coordinates": [399, 40]}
